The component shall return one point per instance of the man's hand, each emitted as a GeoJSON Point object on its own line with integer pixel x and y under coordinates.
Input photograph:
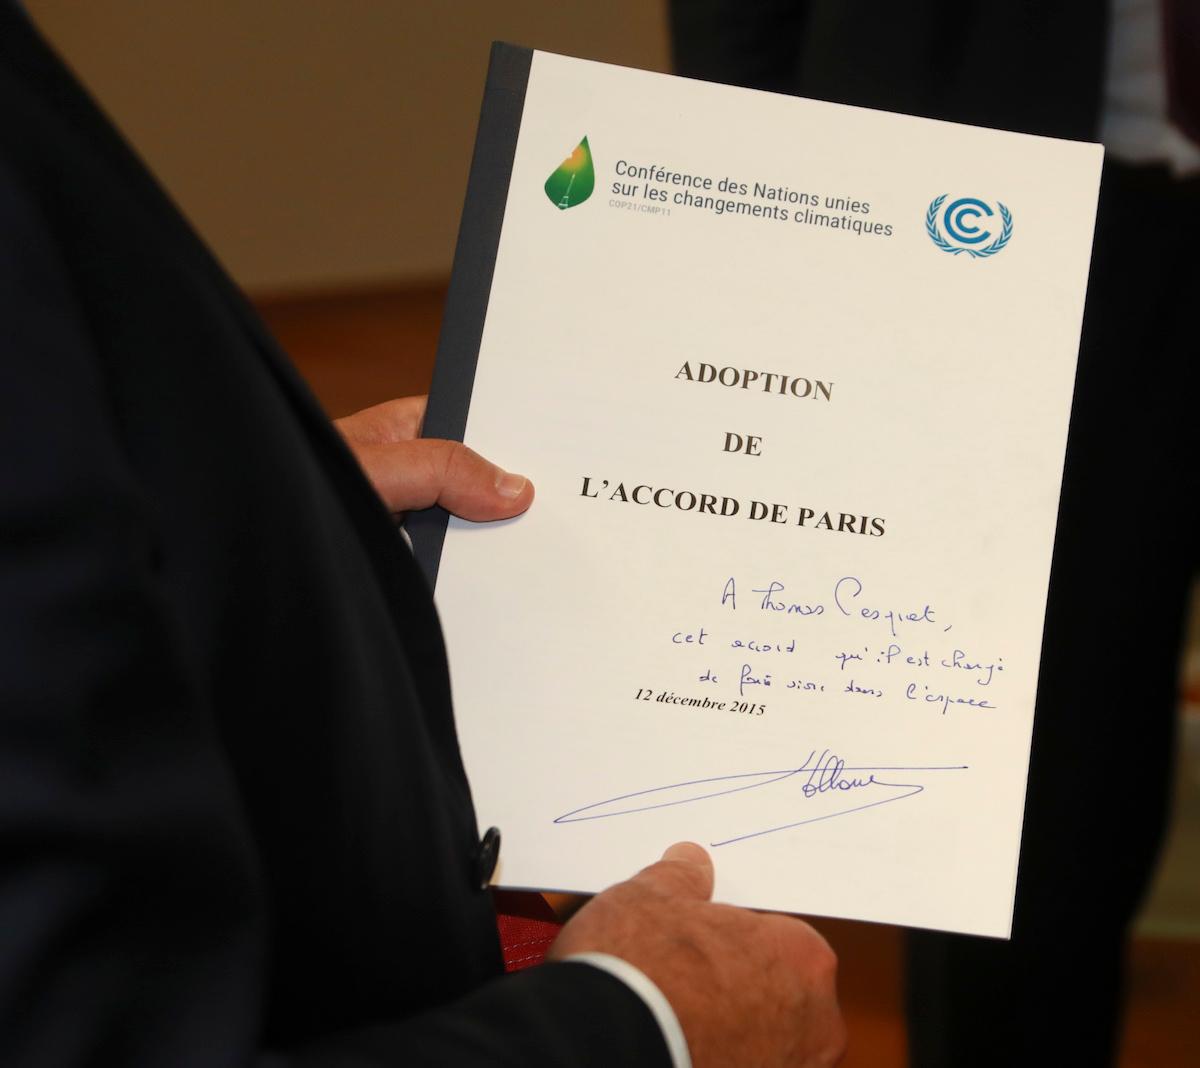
{"type": "Point", "coordinates": [409, 472]}
{"type": "Point", "coordinates": [748, 988]}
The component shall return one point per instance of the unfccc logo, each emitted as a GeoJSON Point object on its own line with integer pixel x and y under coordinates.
{"type": "Point", "coordinates": [969, 223]}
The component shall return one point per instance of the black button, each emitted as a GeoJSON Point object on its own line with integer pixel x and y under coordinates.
{"type": "Point", "coordinates": [487, 856]}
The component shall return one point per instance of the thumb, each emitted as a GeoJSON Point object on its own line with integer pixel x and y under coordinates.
{"type": "Point", "coordinates": [410, 475]}
{"type": "Point", "coordinates": [685, 870]}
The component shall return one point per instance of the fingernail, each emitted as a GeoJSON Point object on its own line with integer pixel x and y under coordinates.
{"type": "Point", "coordinates": [510, 486]}
{"type": "Point", "coordinates": [689, 851]}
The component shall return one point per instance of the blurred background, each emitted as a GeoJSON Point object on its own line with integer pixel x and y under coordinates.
{"type": "Point", "coordinates": [321, 144]}
{"type": "Point", "coordinates": [322, 148]}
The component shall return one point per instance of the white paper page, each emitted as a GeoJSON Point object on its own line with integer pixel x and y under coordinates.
{"type": "Point", "coordinates": [920, 398]}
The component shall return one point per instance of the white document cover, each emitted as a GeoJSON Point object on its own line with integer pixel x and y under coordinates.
{"type": "Point", "coordinates": [792, 381]}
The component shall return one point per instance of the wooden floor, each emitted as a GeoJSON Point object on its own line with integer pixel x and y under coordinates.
{"type": "Point", "coordinates": [357, 349]}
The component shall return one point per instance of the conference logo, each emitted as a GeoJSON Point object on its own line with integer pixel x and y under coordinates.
{"type": "Point", "coordinates": [967, 225]}
{"type": "Point", "coordinates": [572, 182]}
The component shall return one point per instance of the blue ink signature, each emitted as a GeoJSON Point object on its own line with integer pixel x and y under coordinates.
{"type": "Point", "coordinates": [826, 774]}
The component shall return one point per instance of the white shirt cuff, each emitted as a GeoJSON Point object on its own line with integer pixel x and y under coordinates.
{"type": "Point", "coordinates": [656, 1002]}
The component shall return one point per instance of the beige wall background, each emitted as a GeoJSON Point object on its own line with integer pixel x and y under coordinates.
{"type": "Point", "coordinates": [321, 143]}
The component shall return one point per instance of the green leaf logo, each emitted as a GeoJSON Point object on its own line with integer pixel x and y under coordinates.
{"type": "Point", "coordinates": [572, 183]}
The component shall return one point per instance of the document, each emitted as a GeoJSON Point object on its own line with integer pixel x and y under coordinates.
{"type": "Point", "coordinates": [792, 381]}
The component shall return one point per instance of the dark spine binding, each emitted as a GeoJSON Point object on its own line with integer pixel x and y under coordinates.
{"type": "Point", "coordinates": [471, 280]}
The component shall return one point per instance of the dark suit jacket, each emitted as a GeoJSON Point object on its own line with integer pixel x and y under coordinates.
{"type": "Point", "coordinates": [233, 816]}
{"type": "Point", "coordinates": [1031, 65]}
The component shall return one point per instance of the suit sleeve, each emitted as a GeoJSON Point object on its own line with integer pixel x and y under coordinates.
{"type": "Point", "coordinates": [753, 43]}
{"type": "Point", "coordinates": [133, 924]}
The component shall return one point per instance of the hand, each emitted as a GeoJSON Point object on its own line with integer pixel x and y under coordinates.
{"type": "Point", "coordinates": [748, 988]}
{"type": "Point", "coordinates": [410, 472]}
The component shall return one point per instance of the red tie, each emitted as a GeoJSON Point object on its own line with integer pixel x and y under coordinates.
{"type": "Point", "coordinates": [1181, 43]}
{"type": "Point", "coordinates": [527, 927]}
